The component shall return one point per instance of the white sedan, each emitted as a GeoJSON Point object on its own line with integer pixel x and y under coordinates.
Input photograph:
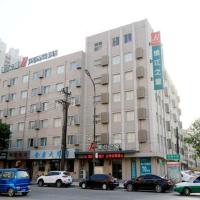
{"type": "Point", "coordinates": [57, 178]}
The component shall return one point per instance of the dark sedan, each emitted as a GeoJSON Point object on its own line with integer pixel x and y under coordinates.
{"type": "Point", "coordinates": [148, 182]}
{"type": "Point", "coordinates": [103, 181]}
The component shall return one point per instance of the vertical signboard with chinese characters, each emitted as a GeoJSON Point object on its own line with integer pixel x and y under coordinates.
{"type": "Point", "coordinates": [145, 166]}
{"type": "Point", "coordinates": [157, 61]}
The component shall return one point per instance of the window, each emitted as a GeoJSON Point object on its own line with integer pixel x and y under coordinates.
{"type": "Point", "coordinates": [72, 84]}
{"type": "Point", "coordinates": [128, 57]}
{"type": "Point", "coordinates": [44, 123]}
{"type": "Point", "coordinates": [12, 96]}
{"type": "Point", "coordinates": [33, 108]}
{"type": "Point", "coordinates": [19, 143]}
{"type": "Point", "coordinates": [34, 92]}
{"type": "Point", "coordinates": [8, 175]}
{"type": "Point", "coordinates": [13, 81]}
{"type": "Point", "coordinates": [22, 110]}
{"type": "Point", "coordinates": [60, 69]}
{"type": "Point", "coordinates": [43, 142]}
{"type": "Point", "coordinates": [97, 46]}
{"type": "Point", "coordinates": [129, 115]}
{"type": "Point", "coordinates": [46, 89]}
{"type": "Point", "coordinates": [24, 94]}
{"type": "Point", "coordinates": [98, 98]}
{"type": "Point", "coordinates": [47, 72]}
{"type": "Point", "coordinates": [11, 127]}
{"type": "Point", "coordinates": [127, 37]}
{"type": "Point", "coordinates": [116, 117]}
{"type": "Point", "coordinates": [129, 95]}
{"type": "Point", "coordinates": [73, 65]}
{"type": "Point", "coordinates": [32, 124]}
{"type": "Point", "coordinates": [58, 106]}
{"type": "Point", "coordinates": [70, 139]}
{"type": "Point", "coordinates": [30, 142]}
{"type": "Point", "coordinates": [57, 122]}
{"type": "Point", "coordinates": [129, 76]}
{"type": "Point", "coordinates": [12, 111]}
{"type": "Point", "coordinates": [59, 86]}
{"type": "Point", "coordinates": [20, 126]}
{"type": "Point", "coordinates": [44, 106]}
{"type": "Point", "coordinates": [25, 79]}
{"type": "Point", "coordinates": [36, 75]}
{"type": "Point", "coordinates": [1, 113]}
{"type": "Point", "coordinates": [117, 97]}
{"type": "Point", "coordinates": [70, 120]}
{"type": "Point", "coordinates": [56, 141]}
{"type": "Point", "coordinates": [116, 78]}
{"type": "Point", "coordinates": [22, 175]}
{"type": "Point", "coordinates": [117, 138]}
{"type": "Point", "coordinates": [116, 60]}
{"type": "Point", "coordinates": [115, 41]}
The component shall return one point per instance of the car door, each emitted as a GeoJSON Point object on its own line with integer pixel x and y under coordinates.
{"type": "Point", "coordinates": [47, 178]}
{"type": "Point", "coordinates": [139, 183]}
{"type": "Point", "coordinates": [91, 181]}
{"type": "Point", "coordinates": [196, 185]}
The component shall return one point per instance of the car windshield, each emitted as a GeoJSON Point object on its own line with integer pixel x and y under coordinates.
{"type": "Point", "coordinates": [22, 174]}
{"type": "Point", "coordinates": [66, 173]}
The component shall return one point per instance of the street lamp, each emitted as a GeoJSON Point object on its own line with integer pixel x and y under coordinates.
{"type": "Point", "coordinates": [94, 118]}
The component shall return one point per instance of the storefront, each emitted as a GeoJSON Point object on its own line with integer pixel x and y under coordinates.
{"type": "Point", "coordinates": [3, 159]}
{"type": "Point", "coordinates": [49, 160]}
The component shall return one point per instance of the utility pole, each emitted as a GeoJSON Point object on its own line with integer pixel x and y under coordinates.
{"type": "Point", "coordinates": [65, 103]}
{"type": "Point", "coordinates": [177, 141]}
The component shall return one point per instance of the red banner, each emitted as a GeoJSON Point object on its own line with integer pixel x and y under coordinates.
{"type": "Point", "coordinates": [24, 62]}
{"type": "Point", "coordinates": [155, 38]}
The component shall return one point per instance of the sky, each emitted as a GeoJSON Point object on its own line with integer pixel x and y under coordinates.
{"type": "Point", "coordinates": [40, 26]}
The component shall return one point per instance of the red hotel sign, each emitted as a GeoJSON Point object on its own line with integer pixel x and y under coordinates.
{"type": "Point", "coordinates": [109, 155]}
{"type": "Point", "coordinates": [155, 38]}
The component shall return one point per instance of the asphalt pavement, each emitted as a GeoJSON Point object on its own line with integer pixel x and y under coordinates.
{"type": "Point", "coordinates": [76, 193]}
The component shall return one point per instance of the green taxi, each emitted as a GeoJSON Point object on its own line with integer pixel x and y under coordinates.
{"type": "Point", "coordinates": [185, 188]}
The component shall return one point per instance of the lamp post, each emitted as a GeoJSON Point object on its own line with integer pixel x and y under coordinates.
{"type": "Point", "coordinates": [94, 118]}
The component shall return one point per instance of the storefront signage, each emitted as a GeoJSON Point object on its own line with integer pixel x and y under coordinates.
{"type": "Point", "coordinates": [18, 155]}
{"type": "Point", "coordinates": [101, 156]}
{"type": "Point", "coordinates": [157, 61]}
{"type": "Point", "coordinates": [42, 57]}
{"type": "Point", "coordinates": [145, 166]}
{"type": "Point", "coordinates": [174, 157]}
{"type": "Point", "coordinates": [51, 154]}
{"type": "Point", "coordinates": [104, 147]}
{"type": "Point", "coordinates": [8, 68]}
{"type": "Point", "coordinates": [3, 155]}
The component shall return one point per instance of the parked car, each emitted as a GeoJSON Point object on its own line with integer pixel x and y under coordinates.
{"type": "Point", "coordinates": [103, 181]}
{"type": "Point", "coordinates": [185, 188]}
{"type": "Point", "coordinates": [14, 181]}
{"type": "Point", "coordinates": [57, 178]}
{"type": "Point", "coordinates": [187, 176]}
{"type": "Point", "coordinates": [148, 182]}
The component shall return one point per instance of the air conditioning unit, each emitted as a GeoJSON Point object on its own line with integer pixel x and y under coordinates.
{"type": "Point", "coordinates": [76, 120]}
{"type": "Point", "coordinates": [7, 98]}
{"type": "Point", "coordinates": [41, 74]}
{"type": "Point", "coordinates": [77, 101]}
{"type": "Point", "coordinates": [9, 83]}
{"type": "Point", "coordinates": [37, 125]}
{"type": "Point", "coordinates": [5, 113]}
{"type": "Point", "coordinates": [39, 107]}
{"type": "Point", "coordinates": [78, 83]}
{"type": "Point", "coordinates": [40, 91]}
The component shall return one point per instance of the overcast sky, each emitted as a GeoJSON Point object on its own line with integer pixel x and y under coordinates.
{"type": "Point", "coordinates": [39, 26]}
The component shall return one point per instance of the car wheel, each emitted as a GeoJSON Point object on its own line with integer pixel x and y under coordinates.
{"type": "Point", "coordinates": [104, 187]}
{"type": "Point", "coordinates": [40, 183]}
{"type": "Point", "coordinates": [186, 191]}
{"type": "Point", "coordinates": [11, 192]}
{"type": "Point", "coordinates": [58, 183]}
{"type": "Point", "coordinates": [24, 193]}
{"type": "Point", "coordinates": [129, 187]}
{"type": "Point", "coordinates": [83, 186]}
{"type": "Point", "coordinates": [158, 188]}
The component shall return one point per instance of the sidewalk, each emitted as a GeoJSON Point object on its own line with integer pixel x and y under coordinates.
{"type": "Point", "coordinates": [76, 183]}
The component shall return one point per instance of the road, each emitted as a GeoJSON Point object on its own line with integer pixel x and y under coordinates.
{"type": "Point", "coordinates": [75, 193]}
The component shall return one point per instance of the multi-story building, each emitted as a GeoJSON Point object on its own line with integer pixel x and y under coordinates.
{"type": "Point", "coordinates": [2, 53]}
{"type": "Point", "coordinates": [29, 104]}
{"type": "Point", "coordinates": [137, 123]}
{"type": "Point", "coordinates": [136, 126]}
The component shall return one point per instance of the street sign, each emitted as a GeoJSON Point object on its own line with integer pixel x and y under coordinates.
{"type": "Point", "coordinates": [173, 156]}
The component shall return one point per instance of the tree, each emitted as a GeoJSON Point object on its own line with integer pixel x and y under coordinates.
{"type": "Point", "coordinates": [4, 135]}
{"type": "Point", "coordinates": [193, 137]}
